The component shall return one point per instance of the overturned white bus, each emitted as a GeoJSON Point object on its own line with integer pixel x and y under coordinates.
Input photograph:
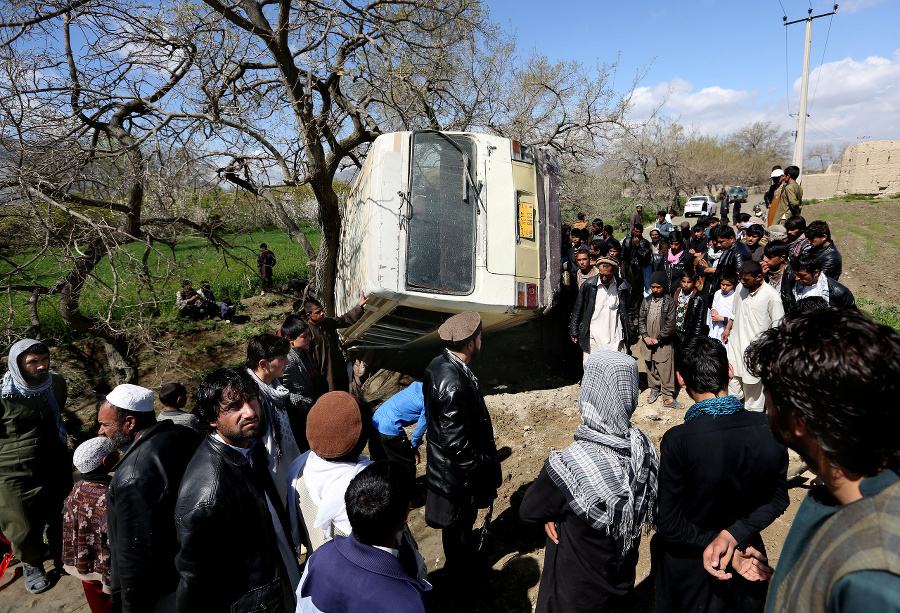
{"type": "Point", "coordinates": [441, 222]}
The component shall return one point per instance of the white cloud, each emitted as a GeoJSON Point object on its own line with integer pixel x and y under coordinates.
{"type": "Point", "coordinates": [713, 109]}
{"type": "Point", "coordinates": [853, 98]}
{"type": "Point", "coordinates": [856, 98]}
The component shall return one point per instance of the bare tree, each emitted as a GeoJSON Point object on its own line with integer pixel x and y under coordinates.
{"type": "Point", "coordinates": [823, 153]}
{"type": "Point", "coordinates": [87, 161]}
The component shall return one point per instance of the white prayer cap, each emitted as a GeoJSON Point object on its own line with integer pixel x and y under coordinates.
{"type": "Point", "coordinates": [131, 398]}
{"type": "Point", "coordinates": [90, 454]}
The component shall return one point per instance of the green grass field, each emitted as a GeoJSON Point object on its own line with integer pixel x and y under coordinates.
{"type": "Point", "coordinates": [231, 274]}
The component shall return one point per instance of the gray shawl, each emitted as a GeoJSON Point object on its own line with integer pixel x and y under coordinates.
{"type": "Point", "coordinates": [609, 474]}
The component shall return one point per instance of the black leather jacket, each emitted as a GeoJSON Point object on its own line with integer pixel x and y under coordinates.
{"type": "Point", "coordinates": [731, 262]}
{"type": "Point", "coordinates": [838, 295]}
{"type": "Point", "coordinates": [580, 325]}
{"type": "Point", "coordinates": [140, 509]}
{"type": "Point", "coordinates": [695, 316]}
{"type": "Point", "coordinates": [674, 272]}
{"type": "Point", "coordinates": [633, 258]}
{"type": "Point", "coordinates": [831, 261]}
{"type": "Point", "coordinates": [462, 454]}
{"type": "Point", "coordinates": [229, 559]}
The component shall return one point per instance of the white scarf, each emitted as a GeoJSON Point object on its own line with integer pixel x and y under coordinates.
{"type": "Point", "coordinates": [808, 291]}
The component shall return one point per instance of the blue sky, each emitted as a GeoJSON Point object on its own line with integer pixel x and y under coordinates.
{"type": "Point", "coordinates": [722, 64]}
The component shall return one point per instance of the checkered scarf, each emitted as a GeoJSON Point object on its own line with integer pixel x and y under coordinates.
{"type": "Point", "coordinates": [609, 473]}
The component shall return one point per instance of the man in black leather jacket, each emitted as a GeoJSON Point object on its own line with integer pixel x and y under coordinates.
{"type": "Point", "coordinates": [636, 254]}
{"type": "Point", "coordinates": [140, 504]}
{"type": "Point", "coordinates": [580, 325]}
{"type": "Point", "coordinates": [463, 470]}
{"type": "Point", "coordinates": [230, 559]}
{"type": "Point", "coordinates": [819, 235]}
{"type": "Point", "coordinates": [809, 281]}
{"type": "Point", "coordinates": [734, 254]}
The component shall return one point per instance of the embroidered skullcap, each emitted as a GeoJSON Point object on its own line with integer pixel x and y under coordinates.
{"type": "Point", "coordinates": [90, 454]}
{"type": "Point", "coordinates": [777, 233]}
{"type": "Point", "coordinates": [334, 425]}
{"type": "Point", "coordinates": [777, 173]}
{"type": "Point", "coordinates": [460, 327]}
{"type": "Point", "coordinates": [639, 206]}
{"type": "Point", "coordinates": [131, 398]}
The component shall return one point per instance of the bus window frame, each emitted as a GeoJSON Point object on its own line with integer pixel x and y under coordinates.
{"type": "Point", "coordinates": [473, 195]}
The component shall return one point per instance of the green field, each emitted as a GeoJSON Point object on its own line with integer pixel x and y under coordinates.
{"type": "Point", "coordinates": [232, 273]}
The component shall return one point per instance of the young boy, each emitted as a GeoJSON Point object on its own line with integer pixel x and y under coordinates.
{"type": "Point", "coordinates": [722, 303]}
{"type": "Point", "coordinates": [657, 327]}
{"type": "Point", "coordinates": [690, 309]}
{"type": "Point", "coordinates": [301, 378]}
{"type": "Point", "coordinates": [754, 234]}
{"type": "Point", "coordinates": [613, 248]}
{"type": "Point", "coordinates": [173, 397]}
{"type": "Point", "coordinates": [85, 541]}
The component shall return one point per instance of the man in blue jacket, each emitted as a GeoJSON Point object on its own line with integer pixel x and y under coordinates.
{"type": "Point", "coordinates": [404, 408]}
{"type": "Point", "coordinates": [368, 571]}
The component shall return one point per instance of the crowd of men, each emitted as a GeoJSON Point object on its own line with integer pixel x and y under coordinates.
{"type": "Point", "coordinates": [710, 279]}
{"type": "Point", "coordinates": [260, 497]}
{"type": "Point", "coordinates": [271, 454]}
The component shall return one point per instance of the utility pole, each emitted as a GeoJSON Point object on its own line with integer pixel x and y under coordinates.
{"type": "Point", "coordinates": [800, 142]}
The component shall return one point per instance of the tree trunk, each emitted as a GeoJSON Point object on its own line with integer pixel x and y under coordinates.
{"type": "Point", "coordinates": [117, 356]}
{"type": "Point", "coordinates": [34, 330]}
{"type": "Point", "coordinates": [117, 352]}
{"type": "Point", "coordinates": [326, 264]}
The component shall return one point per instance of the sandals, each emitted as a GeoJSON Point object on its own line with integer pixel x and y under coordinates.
{"type": "Point", "coordinates": [673, 404]}
{"type": "Point", "coordinates": [36, 580]}
{"type": "Point", "coordinates": [653, 397]}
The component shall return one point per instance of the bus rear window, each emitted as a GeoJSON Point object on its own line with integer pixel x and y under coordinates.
{"type": "Point", "coordinates": [441, 252]}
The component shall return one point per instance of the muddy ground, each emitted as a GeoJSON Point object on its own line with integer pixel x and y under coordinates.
{"type": "Point", "coordinates": [533, 402]}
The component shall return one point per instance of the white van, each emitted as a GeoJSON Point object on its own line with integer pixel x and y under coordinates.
{"type": "Point", "coordinates": [441, 222]}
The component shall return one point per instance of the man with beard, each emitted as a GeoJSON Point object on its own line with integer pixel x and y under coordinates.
{"type": "Point", "coordinates": [140, 505]}
{"type": "Point", "coordinates": [463, 470]}
{"type": "Point", "coordinates": [832, 378]}
{"type": "Point", "coordinates": [227, 489]}
{"type": "Point", "coordinates": [603, 317]}
{"type": "Point", "coordinates": [35, 475]}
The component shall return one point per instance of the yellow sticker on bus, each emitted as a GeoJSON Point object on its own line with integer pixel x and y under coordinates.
{"type": "Point", "coordinates": [526, 220]}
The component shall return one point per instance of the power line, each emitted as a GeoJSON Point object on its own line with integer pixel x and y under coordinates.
{"type": "Point", "coordinates": [821, 64]}
{"type": "Point", "coordinates": [832, 132]}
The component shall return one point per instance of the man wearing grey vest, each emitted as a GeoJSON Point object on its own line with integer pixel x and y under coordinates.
{"type": "Point", "coordinates": [832, 378]}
